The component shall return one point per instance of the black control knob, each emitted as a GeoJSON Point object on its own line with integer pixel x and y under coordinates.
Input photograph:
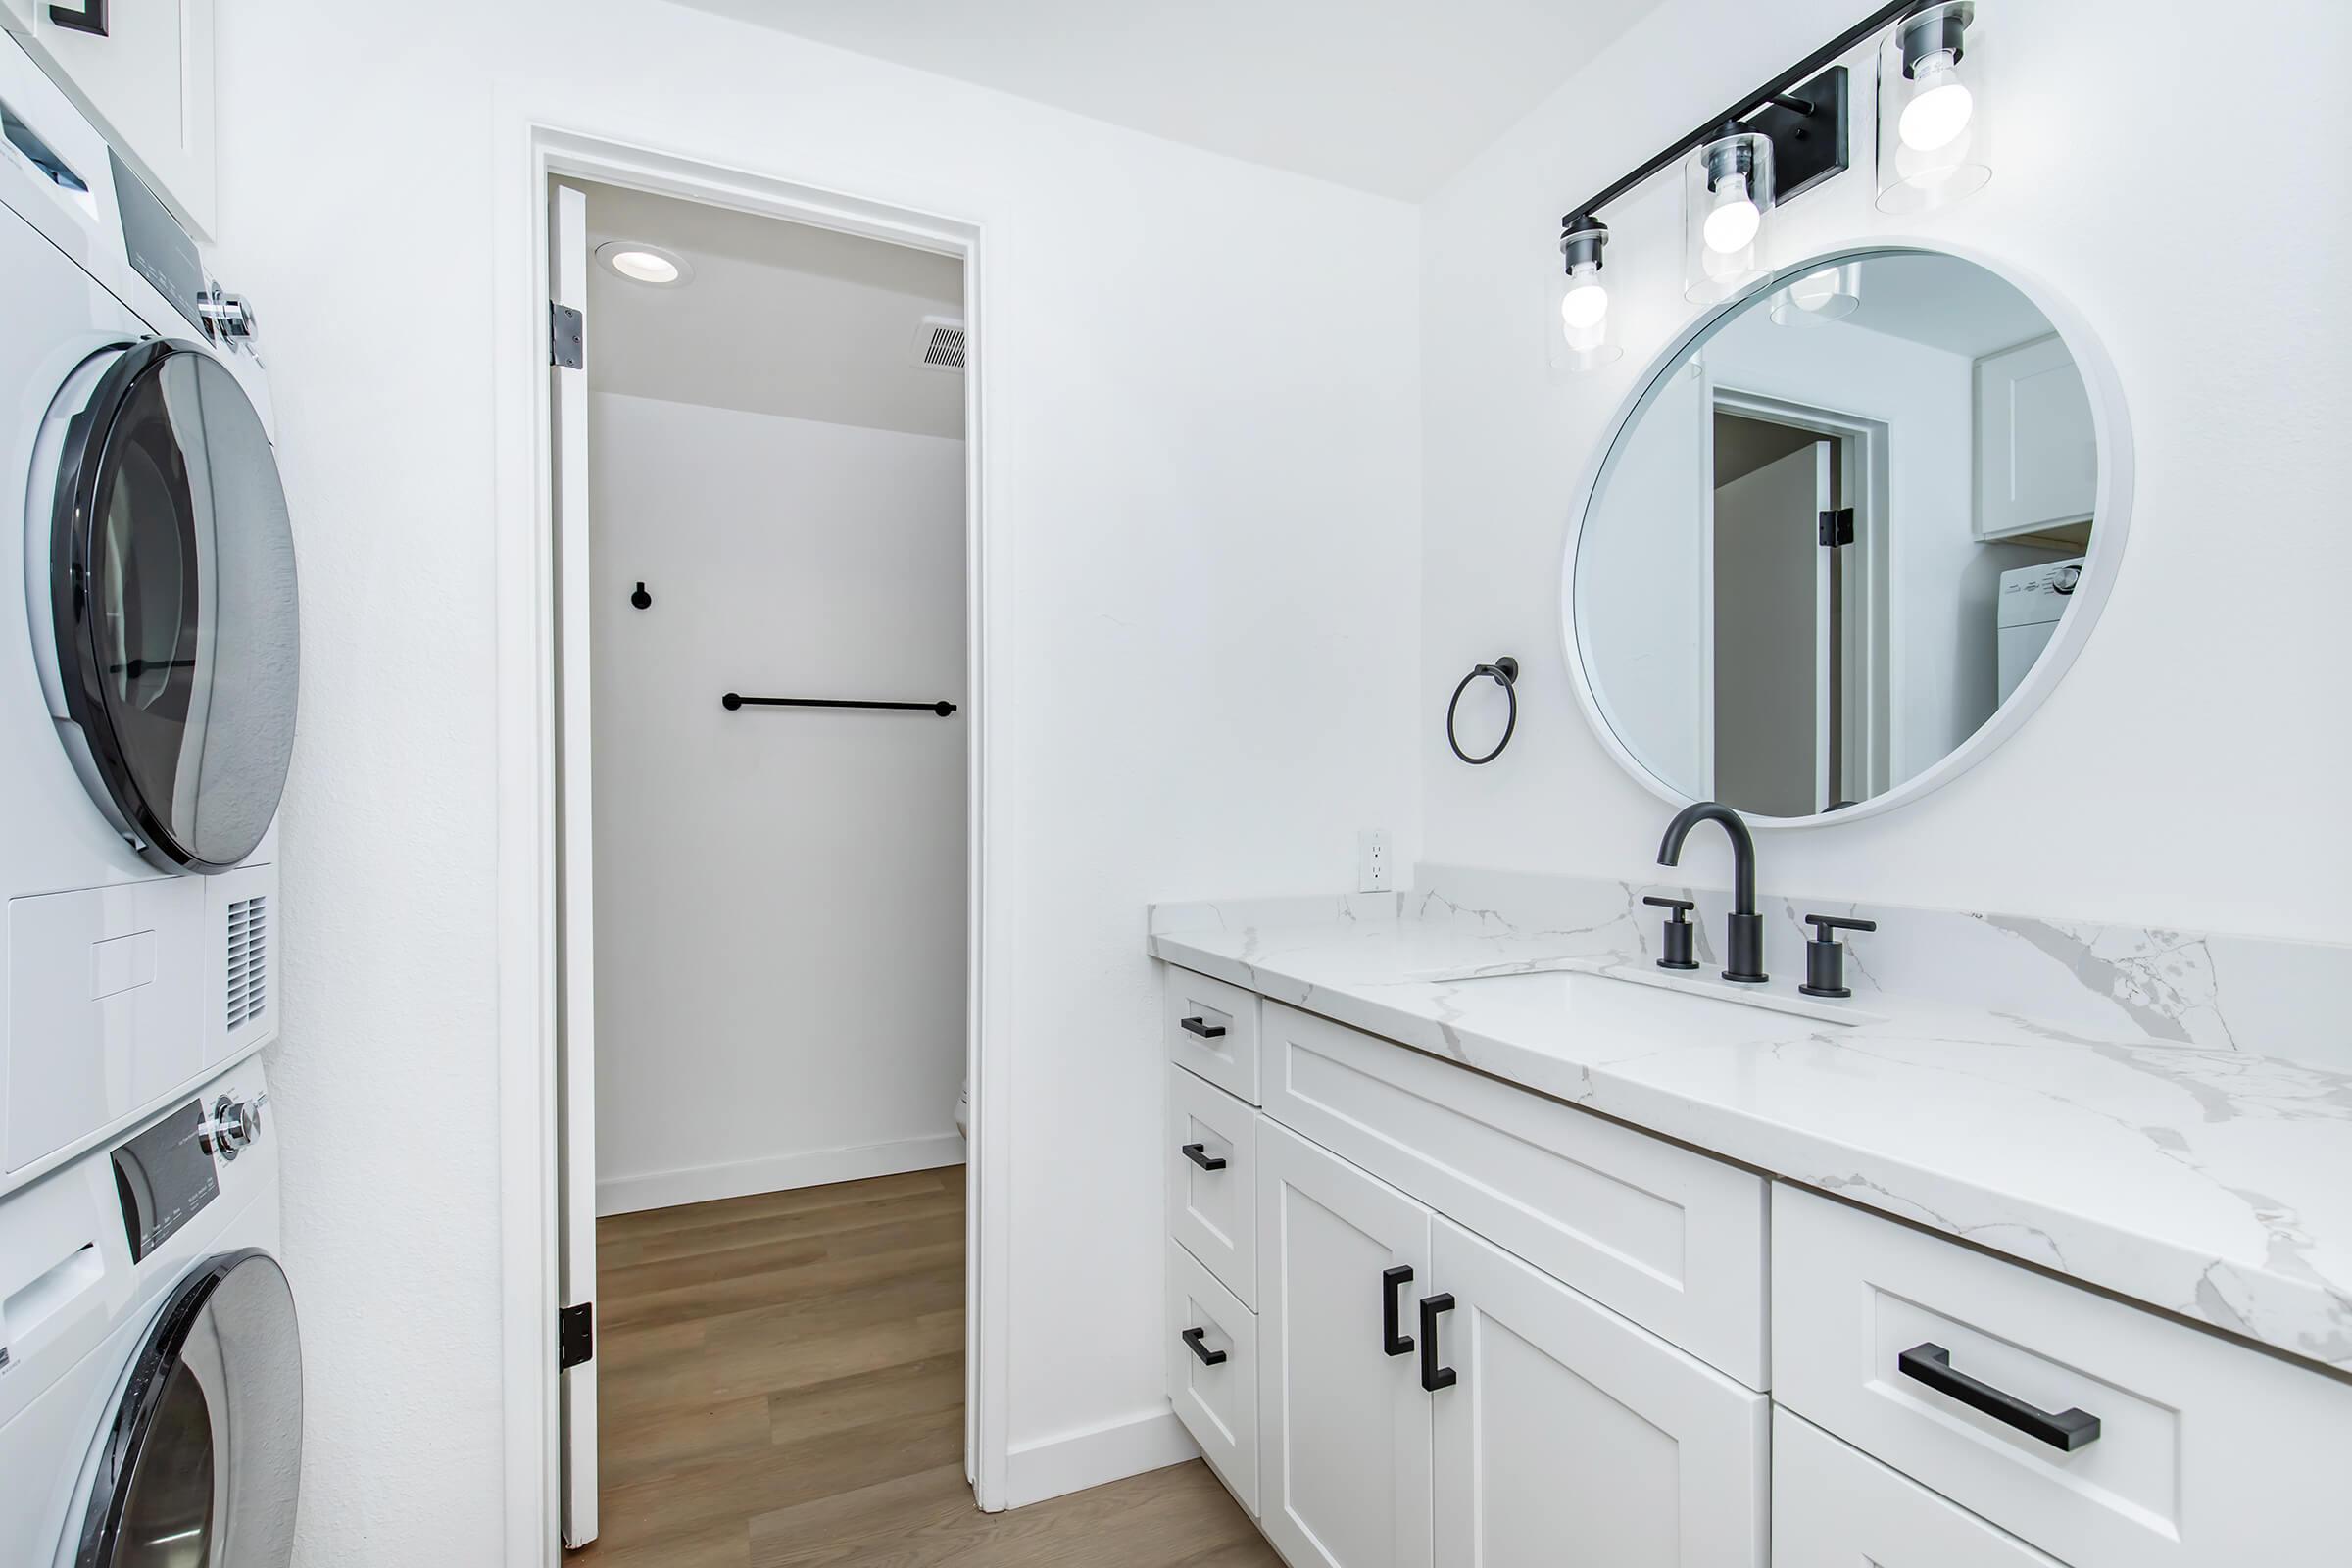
{"type": "Point", "coordinates": [1824, 955]}
{"type": "Point", "coordinates": [1675, 936]}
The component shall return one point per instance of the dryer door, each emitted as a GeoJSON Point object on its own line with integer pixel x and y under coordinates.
{"type": "Point", "coordinates": [202, 1461]}
{"type": "Point", "coordinates": [171, 594]}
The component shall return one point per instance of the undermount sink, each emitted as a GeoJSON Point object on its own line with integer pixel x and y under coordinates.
{"type": "Point", "coordinates": [1591, 997]}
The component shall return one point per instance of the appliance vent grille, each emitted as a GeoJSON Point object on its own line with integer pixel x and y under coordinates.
{"type": "Point", "coordinates": [248, 961]}
{"type": "Point", "coordinates": [938, 344]}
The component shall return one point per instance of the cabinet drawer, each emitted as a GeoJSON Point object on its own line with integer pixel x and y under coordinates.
{"type": "Point", "coordinates": [1214, 1387]}
{"type": "Point", "coordinates": [1212, 1028]}
{"type": "Point", "coordinates": [2205, 1453]}
{"type": "Point", "coordinates": [1213, 1212]}
{"type": "Point", "coordinates": [1671, 1239]}
{"type": "Point", "coordinates": [1834, 1506]}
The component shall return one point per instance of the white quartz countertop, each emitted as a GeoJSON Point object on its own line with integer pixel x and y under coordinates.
{"type": "Point", "coordinates": [2209, 1183]}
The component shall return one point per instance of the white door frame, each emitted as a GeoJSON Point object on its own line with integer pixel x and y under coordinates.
{"type": "Point", "coordinates": [530, 153]}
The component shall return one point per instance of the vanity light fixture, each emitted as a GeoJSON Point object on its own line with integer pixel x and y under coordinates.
{"type": "Point", "coordinates": [641, 263]}
{"type": "Point", "coordinates": [1774, 145]}
{"type": "Point", "coordinates": [1930, 142]}
{"type": "Point", "coordinates": [1582, 298]}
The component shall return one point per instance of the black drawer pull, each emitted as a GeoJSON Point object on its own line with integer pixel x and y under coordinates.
{"type": "Point", "coordinates": [1208, 1357]}
{"type": "Point", "coordinates": [1199, 1155]}
{"type": "Point", "coordinates": [1390, 1281]}
{"type": "Point", "coordinates": [1432, 1376]}
{"type": "Point", "coordinates": [1932, 1364]}
{"type": "Point", "coordinates": [1204, 1028]}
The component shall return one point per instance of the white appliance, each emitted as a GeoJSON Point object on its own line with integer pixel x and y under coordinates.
{"type": "Point", "coordinates": [2027, 613]}
{"type": "Point", "coordinates": [148, 648]}
{"type": "Point", "coordinates": [150, 1365]}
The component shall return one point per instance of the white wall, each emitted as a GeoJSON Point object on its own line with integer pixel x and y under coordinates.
{"type": "Point", "coordinates": [1202, 444]}
{"type": "Point", "coordinates": [2194, 732]}
{"type": "Point", "coordinates": [779, 894]}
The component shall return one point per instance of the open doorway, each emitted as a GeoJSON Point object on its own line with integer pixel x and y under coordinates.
{"type": "Point", "coordinates": [763, 822]}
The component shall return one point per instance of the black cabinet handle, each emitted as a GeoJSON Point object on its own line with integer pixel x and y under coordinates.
{"type": "Point", "coordinates": [1204, 1028]}
{"type": "Point", "coordinates": [1199, 1155]}
{"type": "Point", "coordinates": [1932, 1364]}
{"type": "Point", "coordinates": [1390, 1281]}
{"type": "Point", "coordinates": [1432, 1376]}
{"type": "Point", "coordinates": [1208, 1357]}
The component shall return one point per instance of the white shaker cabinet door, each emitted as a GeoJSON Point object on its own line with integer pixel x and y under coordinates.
{"type": "Point", "coordinates": [2037, 451]}
{"type": "Point", "coordinates": [1569, 1438]}
{"type": "Point", "coordinates": [147, 80]}
{"type": "Point", "coordinates": [1344, 1456]}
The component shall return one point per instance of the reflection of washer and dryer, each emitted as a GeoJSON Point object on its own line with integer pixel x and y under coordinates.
{"type": "Point", "coordinates": [2032, 601]}
{"type": "Point", "coordinates": [150, 1376]}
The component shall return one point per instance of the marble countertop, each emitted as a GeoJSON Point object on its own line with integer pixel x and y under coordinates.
{"type": "Point", "coordinates": [2213, 1183]}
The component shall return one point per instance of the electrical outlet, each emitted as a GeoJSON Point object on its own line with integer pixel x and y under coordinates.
{"type": "Point", "coordinates": [1372, 860]}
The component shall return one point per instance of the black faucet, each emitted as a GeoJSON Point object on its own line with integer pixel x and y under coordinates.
{"type": "Point", "coordinates": [1744, 934]}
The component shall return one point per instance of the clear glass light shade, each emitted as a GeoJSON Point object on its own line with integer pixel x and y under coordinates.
{"type": "Point", "coordinates": [1930, 134]}
{"type": "Point", "coordinates": [1727, 189]}
{"type": "Point", "coordinates": [1818, 298]}
{"type": "Point", "coordinates": [1579, 334]}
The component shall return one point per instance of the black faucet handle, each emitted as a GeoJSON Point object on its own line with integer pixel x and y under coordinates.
{"type": "Point", "coordinates": [1824, 924]}
{"type": "Point", "coordinates": [1677, 935]}
{"type": "Point", "coordinates": [1824, 955]}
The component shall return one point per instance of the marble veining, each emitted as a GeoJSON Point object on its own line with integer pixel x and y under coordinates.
{"type": "Point", "coordinates": [2149, 1111]}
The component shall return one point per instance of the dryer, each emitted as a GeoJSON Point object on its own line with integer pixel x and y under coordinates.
{"type": "Point", "coordinates": [150, 1359]}
{"type": "Point", "coordinates": [149, 648]}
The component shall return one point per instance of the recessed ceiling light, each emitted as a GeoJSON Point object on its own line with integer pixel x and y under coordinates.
{"type": "Point", "coordinates": [641, 263]}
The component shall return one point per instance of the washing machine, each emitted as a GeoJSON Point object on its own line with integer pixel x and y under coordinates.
{"type": "Point", "coordinates": [2032, 601]}
{"type": "Point", "coordinates": [149, 648]}
{"type": "Point", "coordinates": [150, 1359]}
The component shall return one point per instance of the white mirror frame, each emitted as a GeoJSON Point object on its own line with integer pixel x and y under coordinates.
{"type": "Point", "coordinates": [2110, 422]}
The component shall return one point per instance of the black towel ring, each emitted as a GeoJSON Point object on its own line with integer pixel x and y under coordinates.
{"type": "Point", "coordinates": [1505, 671]}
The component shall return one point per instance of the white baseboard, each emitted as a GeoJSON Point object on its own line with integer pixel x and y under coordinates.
{"type": "Point", "coordinates": [700, 1184]}
{"type": "Point", "coordinates": [1072, 1461]}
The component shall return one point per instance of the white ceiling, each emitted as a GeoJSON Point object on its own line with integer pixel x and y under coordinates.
{"type": "Point", "coordinates": [1390, 96]}
{"type": "Point", "coordinates": [778, 317]}
{"type": "Point", "coordinates": [1946, 303]}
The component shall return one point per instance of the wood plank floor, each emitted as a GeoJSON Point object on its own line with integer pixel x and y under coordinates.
{"type": "Point", "coordinates": [781, 1382]}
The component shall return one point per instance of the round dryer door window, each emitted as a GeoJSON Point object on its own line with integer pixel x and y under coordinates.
{"type": "Point", "coordinates": [173, 586]}
{"type": "Point", "coordinates": [202, 1463]}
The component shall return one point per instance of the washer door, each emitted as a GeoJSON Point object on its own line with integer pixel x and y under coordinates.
{"type": "Point", "coordinates": [172, 587]}
{"type": "Point", "coordinates": [203, 1464]}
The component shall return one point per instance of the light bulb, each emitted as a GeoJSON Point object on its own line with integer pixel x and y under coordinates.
{"type": "Point", "coordinates": [645, 266]}
{"type": "Point", "coordinates": [1731, 223]}
{"type": "Point", "coordinates": [1585, 304]}
{"type": "Point", "coordinates": [1939, 109]}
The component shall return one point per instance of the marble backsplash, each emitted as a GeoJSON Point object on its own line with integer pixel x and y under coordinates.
{"type": "Point", "coordinates": [2072, 979]}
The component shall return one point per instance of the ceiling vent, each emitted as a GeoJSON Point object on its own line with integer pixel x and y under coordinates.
{"type": "Point", "coordinates": [939, 343]}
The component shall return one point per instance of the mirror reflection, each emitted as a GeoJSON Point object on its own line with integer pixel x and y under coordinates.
{"type": "Point", "coordinates": [1836, 533]}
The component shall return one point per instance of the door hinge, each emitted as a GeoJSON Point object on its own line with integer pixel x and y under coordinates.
{"type": "Point", "coordinates": [576, 1335]}
{"type": "Point", "coordinates": [565, 328]}
{"type": "Point", "coordinates": [1837, 527]}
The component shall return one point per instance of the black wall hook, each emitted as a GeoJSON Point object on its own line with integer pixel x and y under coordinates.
{"type": "Point", "coordinates": [641, 599]}
{"type": "Point", "coordinates": [1505, 674]}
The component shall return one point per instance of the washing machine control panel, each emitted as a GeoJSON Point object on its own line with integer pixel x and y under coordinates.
{"type": "Point", "coordinates": [164, 1177]}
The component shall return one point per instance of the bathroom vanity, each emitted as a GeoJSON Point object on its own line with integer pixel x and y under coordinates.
{"type": "Point", "coordinates": [1486, 1235]}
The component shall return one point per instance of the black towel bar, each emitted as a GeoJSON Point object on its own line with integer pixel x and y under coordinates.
{"type": "Point", "coordinates": [734, 699]}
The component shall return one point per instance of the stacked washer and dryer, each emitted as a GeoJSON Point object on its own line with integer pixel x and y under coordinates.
{"type": "Point", "coordinates": [150, 1368]}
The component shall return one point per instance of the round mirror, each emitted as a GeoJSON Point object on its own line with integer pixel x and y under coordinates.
{"type": "Point", "coordinates": [1850, 531]}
